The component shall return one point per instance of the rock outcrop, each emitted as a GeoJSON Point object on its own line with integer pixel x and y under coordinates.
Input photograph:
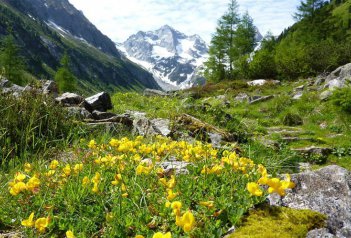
{"type": "Point", "coordinates": [327, 191]}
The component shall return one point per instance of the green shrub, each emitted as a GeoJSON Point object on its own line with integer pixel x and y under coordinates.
{"type": "Point", "coordinates": [292, 119]}
{"type": "Point", "coordinates": [342, 99]}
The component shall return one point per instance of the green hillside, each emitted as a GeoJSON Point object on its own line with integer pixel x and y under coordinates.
{"type": "Point", "coordinates": [42, 47]}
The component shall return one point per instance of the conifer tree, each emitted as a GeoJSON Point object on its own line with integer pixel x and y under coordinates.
{"type": "Point", "coordinates": [12, 64]}
{"type": "Point", "coordinates": [308, 8]}
{"type": "Point", "coordinates": [64, 78]}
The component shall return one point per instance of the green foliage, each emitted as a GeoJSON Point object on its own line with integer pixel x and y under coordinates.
{"type": "Point", "coordinates": [65, 80]}
{"type": "Point", "coordinates": [11, 63]}
{"type": "Point", "coordinates": [342, 99]}
{"type": "Point", "coordinates": [292, 119]}
{"type": "Point", "coordinates": [30, 125]}
{"type": "Point", "coordinates": [268, 221]}
{"type": "Point", "coordinates": [233, 41]}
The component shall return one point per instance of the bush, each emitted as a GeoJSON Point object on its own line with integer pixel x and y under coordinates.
{"type": "Point", "coordinates": [342, 99]}
{"type": "Point", "coordinates": [292, 119]}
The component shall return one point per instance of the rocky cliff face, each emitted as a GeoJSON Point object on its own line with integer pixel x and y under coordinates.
{"type": "Point", "coordinates": [45, 29]}
{"type": "Point", "coordinates": [172, 57]}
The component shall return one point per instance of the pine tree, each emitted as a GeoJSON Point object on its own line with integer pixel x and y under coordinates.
{"type": "Point", "coordinates": [245, 36]}
{"type": "Point", "coordinates": [222, 51]}
{"type": "Point", "coordinates": [12, 64]}
{"type": "Point", "coordinates": [308, 8]}
{"type": "Point", "coordinates": [64, 78]}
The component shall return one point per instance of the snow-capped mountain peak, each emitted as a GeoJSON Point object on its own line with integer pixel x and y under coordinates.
{"type": "Point", "coordinates": [171, 56]}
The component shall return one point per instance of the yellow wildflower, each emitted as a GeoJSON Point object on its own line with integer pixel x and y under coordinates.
{"type": "Point", "coordinates": [254, 189]}
{"type": "Point", "coordinates": [41, 224]}
{"type": "Point", "coordinates": [19, 177]}
{"type": "Point", "coordinates": [188, 221]}
{"type": "Point", "coordinates": [69, 234]}
{"type": "Point", "coordinates": [171, 195]}
{"type": "Point", "coordinates": [33, 184]}
{"type": "Point", "coordinates": [17, 188]}
{"type": "Point", "coordinates": [67, 170]}
{"type": "Point", "coordinates": [28, 222]}
{"type": "Point", "coordinates": [176, 206]}
{"type": "Point", "coordinates": [96, 178]}
{"type": "Point", "coordinates": [208, 204]}
{"type": "Point", "coordinates": [50, 173]}
{"type": "Point", "coordinates": [139, 236]}
{"type": "Point", "coordinates": [92, 144]}
{"type": "Point", "coordinates": [53, 165]}
{"type": "Point", "coordinates": [85, 181]}
{"type": "Point", "coordinates": [77, 168]}
{"type": "Point", "coordinates": [161, 235]}
{"type": "Point", "coordinates": [27, 167]}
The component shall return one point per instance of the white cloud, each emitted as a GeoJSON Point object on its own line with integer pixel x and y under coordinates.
{"type": "Point", "coordinates": [122, 18]}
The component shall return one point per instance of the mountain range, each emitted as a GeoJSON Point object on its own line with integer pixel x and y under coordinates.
{"type": "Point", "coordinates": [174, 59]}
{"type": "Point", "coordinates": [46, 29]}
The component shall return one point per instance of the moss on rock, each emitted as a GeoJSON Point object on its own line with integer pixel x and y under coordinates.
{"type": "Point", "coordinates": [268, 221]}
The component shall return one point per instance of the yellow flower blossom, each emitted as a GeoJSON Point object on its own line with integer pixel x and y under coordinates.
{"type": "Point", "coordinates": [50, 173]}
{"type": "Point", "coordinates": [161, 235]}
{"type": "Point", "coordinates": [208, 204]}
{"type": "Point", "coordinates": [92, 144]}
{"type": "Point", "coordinates": [27, 167]}
{"type": "Point", "coordinates": [254, 189]}
{"type": "Point", "coordinates": [53, 165]}
{"type": "Point", "coordinates": [42, 223]}
{"type": "Point", "coordinates": [139, 236]}
{"type": "Point", "coordinates": [85, 181]}
{"type": "Point", "coordinates": [28, 222]}
{"type": "Point", "coordinates": [17, 188]}
{"type": "Point", "coordinates": [19, 177]}
{"type": "Point", "coordinates": [70, 234]}
{"type": "Point", "coordinates": [33, 184]}
{"type": "Point", "coordinates": [176, 206]}
{"type": "Point", "coordinates": [188, 221]}
{"type": "Point", "coordinates": [78, 168]}
{"type": "Point", "coordinates": [171, 195]}
{"type": "Point", "coordinates": [67, 170]}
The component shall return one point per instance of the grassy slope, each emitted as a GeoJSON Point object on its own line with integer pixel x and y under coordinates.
{"type": "Point", "coordinates": [323, 124]}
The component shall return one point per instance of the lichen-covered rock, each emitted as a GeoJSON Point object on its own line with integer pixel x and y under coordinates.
{"type": "Point", "coordinates": [69, 99]}
{"type": "Point", "coordinates": [97, 115]}
{"type": "Point", "coordinates": [163, 125]}
{"type": "Point", "coordinates": [50, 87]}
{"type": "Point", "coordinates": [320, 233]}
{"type": "Point", "coordinates": [100, 102]}
{"type": "Point", "coordinates": [256, 99]}
{"type": "Point", "coordinates": [78, 112]}
{"type": "Point", "coordinates": [327, 191]}
{"type": "Point", "coordinates": [242, 97]}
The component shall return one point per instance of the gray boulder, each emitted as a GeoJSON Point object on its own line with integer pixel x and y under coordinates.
{"type": "Point", "coordinates": [97, 115]}
{"type": "Point", "coordinates": [70, 99]}
{"type": "Point", "coordinates": [257, 99]}
{"type": "Point", "coordinates": [343, 73]}
{"type": "Point", "coordinates": [100, 102]}
{"type": "Point", "coordinates": [4, 83]}
{"type": "Point", "coordinates": [261, 82]}
{"type": "Point", "coordinates": [320, 233]}
{"type": "Point", "coordinates": [313, 150]}
{"type": "Point", "coordinates": [242, 97]}
{"type": "Point", "coordinates": [297, 95]}
{"type": "Point", "coordinates": [328, 191]}
{"type": "Point", "coordinates": [78, 112]}
{"type": "Point", "coordinates": [325, 95]}
{"type": "Point", "coordinates": [162, 125]}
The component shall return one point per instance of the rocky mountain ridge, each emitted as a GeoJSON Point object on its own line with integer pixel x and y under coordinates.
{"type": "Point", "coordinates": [45, 29]}
{"type": "Point", "coordinates": [173, 58]}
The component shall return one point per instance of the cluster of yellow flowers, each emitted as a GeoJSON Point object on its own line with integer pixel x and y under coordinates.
{"type": "Point", "coordinates": [275, 185]}
{"type": "Point", "coordinates": [40, 224]}
{"type": "Point", "coordinates": [107, 168]}
{"type": "Point", "coordinates": [17, 185]}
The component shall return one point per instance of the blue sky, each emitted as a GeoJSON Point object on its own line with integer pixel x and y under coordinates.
{"type": "Point", "coordinates": [120, 18]}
